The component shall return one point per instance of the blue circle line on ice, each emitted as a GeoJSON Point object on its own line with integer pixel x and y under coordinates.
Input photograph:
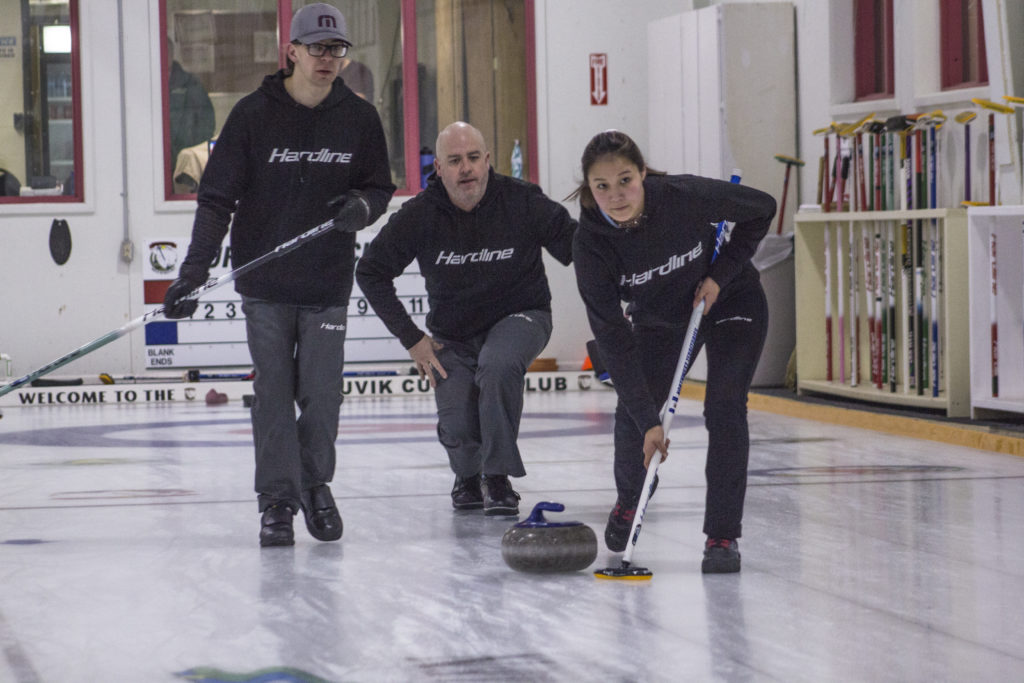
{"type": "Point", "coordinates": [112, 435]}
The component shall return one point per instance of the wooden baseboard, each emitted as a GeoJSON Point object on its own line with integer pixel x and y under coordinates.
{"type": "Point", "coordinates": [971, 436]}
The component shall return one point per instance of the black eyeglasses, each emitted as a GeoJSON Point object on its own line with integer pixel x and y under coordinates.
{"type": "Point", "coordinates": [318, 49]}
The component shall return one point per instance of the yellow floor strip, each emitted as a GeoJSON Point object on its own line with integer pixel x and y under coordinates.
{"type": "Point", "coordinates": [984, 438]}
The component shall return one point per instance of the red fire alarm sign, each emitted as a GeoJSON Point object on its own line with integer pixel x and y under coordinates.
{"type": "Point", "coordinates": [599, 78]}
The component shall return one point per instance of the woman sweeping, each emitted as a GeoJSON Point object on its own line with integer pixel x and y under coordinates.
{"type": "Point", "coordinates": [647, 238]}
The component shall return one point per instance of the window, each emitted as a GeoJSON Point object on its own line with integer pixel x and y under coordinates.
{"type": "Point", "coordinates": [41, 154]}
{"type": "Point", "coordinates": [472, 66]}
{"type": "Point", "coordinates": [962, 41]}
{"type": "Point", "coordinates": [468, 60]}
{"type": "Point", "coordinates": [873, 53]}
{"type": "Point", "coordinates": [214, 53]}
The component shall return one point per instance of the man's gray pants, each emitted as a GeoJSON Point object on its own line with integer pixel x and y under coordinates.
{"type": "Point", "coordinates": [480, 404]}
{"type": "Point", "coordinates": [298, 353]}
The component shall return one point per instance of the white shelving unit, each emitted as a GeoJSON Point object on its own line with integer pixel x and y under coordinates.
{"type": "Point", "coordinates": [1006, 223]}
{"type": "Point", "coordinates": [811, 360]}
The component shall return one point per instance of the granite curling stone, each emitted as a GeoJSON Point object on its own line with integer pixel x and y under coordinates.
{"type": "Point", "coordinates": [537, 545]}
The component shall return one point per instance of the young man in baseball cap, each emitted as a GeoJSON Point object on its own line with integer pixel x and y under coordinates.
{"type": "Point", "coordinates": [300, 150]}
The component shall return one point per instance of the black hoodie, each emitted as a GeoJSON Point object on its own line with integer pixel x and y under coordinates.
{"type": "Point", "coordinates": [479, 265]}
{"type": "Point", "coordinates": [275, 166]}
{"type": "Point", "coordinates": [656, 268]}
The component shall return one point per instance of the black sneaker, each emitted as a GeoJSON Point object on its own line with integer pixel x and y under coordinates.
{"type": "Point", "coordinates": [620, 522]}
{"type": "Point", "coordinates": [499, 498]}
{"type": "Point", "coordinates": [721, 556]}
{"type": "Point", "coordinates": [276, 526]}
{"type": "Point", "coordinates": [466, 494]}
{"type": "Point", "coordinates": [322, 517]}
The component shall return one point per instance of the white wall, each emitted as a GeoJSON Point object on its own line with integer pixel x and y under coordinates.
{"type": "Point", "coordinates": [12, 144]}
{"type": "Point", "coordinates": [568, 31]}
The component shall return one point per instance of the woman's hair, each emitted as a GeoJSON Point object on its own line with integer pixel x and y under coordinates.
{"type": "Point", "coordinates": [609, 143]}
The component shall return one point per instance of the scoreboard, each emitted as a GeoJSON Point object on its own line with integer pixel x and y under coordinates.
{"type": "Point", "coordinates": [214, 336]}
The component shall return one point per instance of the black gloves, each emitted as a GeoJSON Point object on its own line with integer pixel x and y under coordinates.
{"type": "Point", "coordinates": [174, 306]}
{"type": "Point", "coordinates": [353, 211]}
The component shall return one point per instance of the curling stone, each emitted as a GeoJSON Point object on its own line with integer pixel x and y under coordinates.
{"type": "Point", "coordinates": [537, 545]}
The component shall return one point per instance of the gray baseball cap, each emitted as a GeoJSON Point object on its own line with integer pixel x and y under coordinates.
{"type": "Point", "coordinates": [319, 22]}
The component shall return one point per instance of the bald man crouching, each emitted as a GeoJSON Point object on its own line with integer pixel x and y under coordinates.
{"type": "Point", "coordinates": [476, 237]}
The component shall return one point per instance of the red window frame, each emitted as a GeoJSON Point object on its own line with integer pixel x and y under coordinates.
{"type": "Point", "coordinates": [78, 194]}
{"type": "Point", "coordinates": [410, 93]}
{"type": "Point", "coordinates": [954, 48]}
{"type": "Point", "coordinates": [873, 50]}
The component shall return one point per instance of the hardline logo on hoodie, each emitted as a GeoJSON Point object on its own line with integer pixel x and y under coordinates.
{"type": "Point", "coordinates": [484, 255]}
{"type": "Point", "coordinates": [323, 156]}
{"type": "Point", "coordinates": [675, 262]}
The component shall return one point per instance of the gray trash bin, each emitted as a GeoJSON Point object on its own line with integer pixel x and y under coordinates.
{"type": "Point", "coordinates": [774, 260]}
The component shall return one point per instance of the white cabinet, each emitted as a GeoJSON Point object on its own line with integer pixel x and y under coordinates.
{"type": "Point", "coordinates": [722, 96]}
{"type": "Point", "coordinates": [722, 90]}
{"type": "Point", "coordinates": [851, 358]}
{"type": "Point", "coordinates": [996, 321]}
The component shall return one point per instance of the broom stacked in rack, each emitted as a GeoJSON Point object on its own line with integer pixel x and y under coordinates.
{"type": "Point", "coordinates": [880, 182]}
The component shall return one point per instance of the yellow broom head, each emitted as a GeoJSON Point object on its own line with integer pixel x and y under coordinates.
{"type": "Point", "coordinates": [789, 160]}
{"type": "Point", "coordinates": [992, 106]}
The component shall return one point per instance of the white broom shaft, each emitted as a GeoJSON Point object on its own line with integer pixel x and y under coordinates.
{"type": "Point", "coordinates": [854, 308]}
{"type": "Point", "coordinates": [840, 303]}
{"type": "Point", "coordinates": [869, 300]}
{"type": "Point", "coordinates": [828, 302]}
{"type": "Point", "coordinates": [682, 365]}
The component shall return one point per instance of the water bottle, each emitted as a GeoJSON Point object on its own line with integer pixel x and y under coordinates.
{"type": "Point", "coordinates": [517, 160]}
{"type": "Point", "coordinates": [426, 165]}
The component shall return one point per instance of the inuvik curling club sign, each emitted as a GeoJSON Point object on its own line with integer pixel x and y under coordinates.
{"type": "Point", "coordinates": [352, 387]}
